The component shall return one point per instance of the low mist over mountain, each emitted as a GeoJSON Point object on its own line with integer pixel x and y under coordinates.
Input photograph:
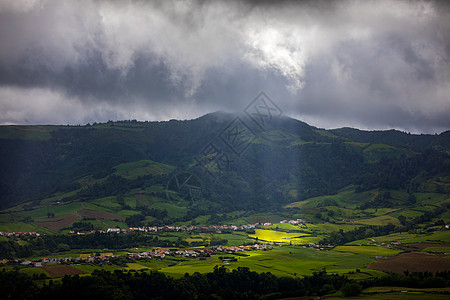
{"type": "Point", "coordinates": [232, 161]}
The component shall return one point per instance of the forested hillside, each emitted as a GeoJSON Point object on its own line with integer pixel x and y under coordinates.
{"type": "Point", "coordinates": [237, 164]}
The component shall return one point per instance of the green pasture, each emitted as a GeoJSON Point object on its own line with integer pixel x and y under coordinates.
{"type": "Point", "coordinates": [23, 227]}
{"type": "Point", "coordinates": [430, 198]}
{"type": "Point", "coordinates": [174, 211]}
{"type": "Point", "coordinates": [296, 204]}
{"type": "Point", "coordinates": [41, 213]}
{"type": "Point", "coordinates": [135, 266]}
{"type": "Point", "coordinates": [32, 270]}
{"type": "Point", "coordinates": [282, 261]}
{"type": "Point", "coordinates": [380, 220]}
{"type": "Point", "coordinates": [235, 239]}
{"type": "Point", "coordinates": [133, 170]}
{"type": "Point", "coordinates": [202, 220]}
{"type": "Point", "coordinates": [285, 226]}
{"type": "Point", "coordinates": [154, 264]}
{"type": "Point", "coordinates": [364, 274]}
{"type": "Point", "coordinates": [437, 249]}
{"type": "Point", "coordinates": [380, 211]}
{"type": "Point", "coordinates": [409, 213]}
{"type": "Point", "coordinates": [375, 152]}
{"type": "Point", "coordinates": [91, 268]}
{"type": "Point", "coordinates": [105, 224]}
{"type": "Point", "coordinates": [109, 203]}
{"type": "Point", "coordinates": [329, 227]}
{"type": "Point", "coordinates": [370, 250]}
{"type": "Point", "coordinates": [433, 237]}
{"type": "Point", "coordinates": [346, 197]}
{"type": "Point", "coordinates": [126, 213]}
{"type": "Point", "coordinates": [94, 206]}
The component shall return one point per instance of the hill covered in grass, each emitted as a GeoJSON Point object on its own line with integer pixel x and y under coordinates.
{"type": "Point", "coordinates": [215, 165]}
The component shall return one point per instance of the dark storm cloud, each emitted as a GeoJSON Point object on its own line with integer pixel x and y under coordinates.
{"type": "Point", "coordinates": [371, 64]}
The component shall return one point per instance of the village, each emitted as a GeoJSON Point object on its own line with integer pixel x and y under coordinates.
{"type": "Point", "coordinates": [157, 253]}
{"type": "Point", "coordinates": [166, 228]}
{"type": "Point", "coordinates": [188, 228]}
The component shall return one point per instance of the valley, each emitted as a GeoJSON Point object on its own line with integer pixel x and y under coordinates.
{"type": "Point", "coordinates": [130, 197]}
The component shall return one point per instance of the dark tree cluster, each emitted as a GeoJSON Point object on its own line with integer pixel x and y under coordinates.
{"type": "Point", "coordinates": [412, 279]}
{"type": "Point", "coordinates": [12, 249]}
{"type": "Point", "coordinates": [219, 284]}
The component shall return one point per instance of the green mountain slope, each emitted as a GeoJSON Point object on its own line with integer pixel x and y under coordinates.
{"type": "Point", "coordinates": [237, 164]}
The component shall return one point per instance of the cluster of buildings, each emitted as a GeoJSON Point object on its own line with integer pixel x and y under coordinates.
{"type": "Point", "coordinates": [87, 258]}
{"type": "Point", "coordinates": [294, 222]}
{"type": "Point", "coordinates": [163, 252]}
{"type": "Point", "coordinates": [234, 249]}
{"type": "Point", "coordinates": [160, 253]}
{"type": "Point", "coordinates": [154, 254]}
{"type": "Point", "coordinates": [213, 228]}
{"type": "Point", "coordinates": [18, 234]}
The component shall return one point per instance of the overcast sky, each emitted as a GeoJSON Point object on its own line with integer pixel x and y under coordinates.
{"type": "Point", "coordinates": [365, 64]}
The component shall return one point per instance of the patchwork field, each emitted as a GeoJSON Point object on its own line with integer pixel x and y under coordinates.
{"type": "Point", "coordinates": [283, 261]}
{"type": "Point", "coordinates": [57, 223]}
{"type": "Point", "coordinates": [371, 250]}
{"type": "Point", "coordinates": [404, 237]}
{"type": "Point", "coordinates": [380, 220]}
{"type": "Point", "coordinates": [61, 270]}
{"type": "Point", "coordinates": [440, 249]}
{"type": "Point", "coordinates": [413, 262]}
{"type": "Point", "coordinates": [23, 227]}
{"type": "Point", "coordinates": [95, 214]}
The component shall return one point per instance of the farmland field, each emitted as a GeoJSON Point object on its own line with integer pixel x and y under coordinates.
{"type": "Point", "coordinates": [90, 268]}
{"type": "Point", "coordinates": [61, 270]}
{"type": "Point", "coordinates": [57, 223]}
{"type": "Point", "coordinates": [380, 220]}
{"type": "Point", "coordinates": [88, 213]}
{"type": "Point", "coordinates": [372, 250]}
{"type": "Point", "coordinates": [328, 227]}
{"type": "Point", "coordinates": [435, 237]}
{"type": "Point", "coordinates": [282, 261]}
{"type": "Point", "coordinates": [23, 227]}
{"type": "Point", "coordinates": [441, 249]}
{"type": "Point", "coordinates": [297, 204]}
{"type": "Point", "coordinates": [413, 262]}
{"type": "Point", "coordinates": [283, 237]}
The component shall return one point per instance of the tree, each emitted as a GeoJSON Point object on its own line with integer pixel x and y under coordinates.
{"type": "Point", "coordinates": [369, 233]}
{"type": "Point", "coordinates": [28, 219]}
{"type": "Point", "coordinates": [326, 289]}
{"type": "Point", "coordinates": [412, 198]}
{"type": "Point", "coordinates": [351, 289]}
{"type": "Point", "coordinates": [402, 219]}
{"type": "Point", "coordinates": [63, 247]}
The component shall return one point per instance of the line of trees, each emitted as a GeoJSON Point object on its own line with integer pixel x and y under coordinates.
{"type": "Point", "coordinates": [46, 244]}
{"type": "Point", "coordinates": [221, 283]}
